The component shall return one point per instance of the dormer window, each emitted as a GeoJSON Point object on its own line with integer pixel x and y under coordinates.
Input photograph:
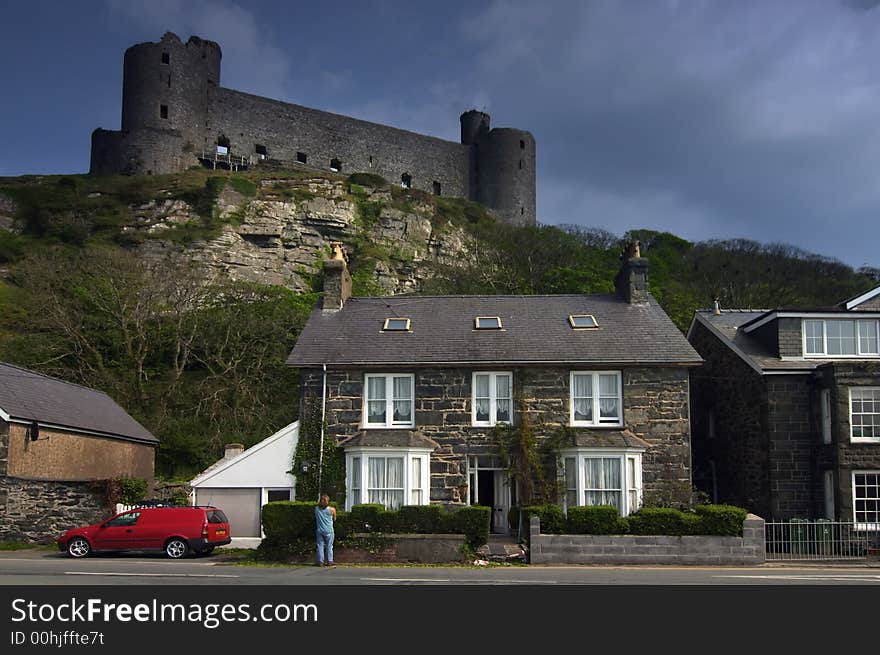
{"type": "Point", "coordinates": [487, 323]}
{"type": "Point", "coordinates": [841, 337]}
{"type": "Point", "coordinates": [582, 321]}
{"type": "Point", "coordinates": [396, 325]}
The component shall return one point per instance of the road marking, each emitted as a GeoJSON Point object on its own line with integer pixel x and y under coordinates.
{"type": "Point", "coordinates": [464, 582]}
{"type": "Point", "coordinates": [154, 575]}
{"type": "Point", "coordinates": [837, 578]}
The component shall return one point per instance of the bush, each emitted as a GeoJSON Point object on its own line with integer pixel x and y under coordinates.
{"type": "Point", "coordinates": [552, 518]}
{"type": "Point", "coordinates": [424, 519]}
{"type": "Point", "coordinates": [473, 523]}
{"type": "Point", "coordinates": [724, 520]}
{"type": "Point", "coordinates": [602, 519]}
{"type": "Point", "coordinates": [132, 490]}
{"type": "Point", "coordinates": [386, 521]}
{"type": "Point", "coordinates": [366, 515]}
{"type": "Point", "coordinates": [663, 521]}
{"type": "Point", "coordinates": [285, 521]}
{"type": "Point", "coordinates": [367, 179]}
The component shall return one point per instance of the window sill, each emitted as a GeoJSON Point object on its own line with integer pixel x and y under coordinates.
{"type": "Point", "coordinates": [869, 440]}
{"type": "Point", "coordinates": [375, 426]}
{"type": "Point", "coordinates": [594, 426]}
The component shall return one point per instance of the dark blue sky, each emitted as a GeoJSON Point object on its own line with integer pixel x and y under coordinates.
{"type": "Point", "coordinates": [752, 120]}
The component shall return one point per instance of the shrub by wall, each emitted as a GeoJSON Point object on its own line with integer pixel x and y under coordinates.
{"type": "Point", "coordinates": [602, 519]}
{"type": "Point", "coordinates": [286, 520]}
{"type": "Point", "coordinates": [552, 518]}
{"type": "Point", "coordinates": [725, 520]}
{"type": "Point", "coordinates": [421, 519]}
{"type": "Point", "coordinates": [662, 521]}
{"type": "Point", "coordinates": [472, 522]}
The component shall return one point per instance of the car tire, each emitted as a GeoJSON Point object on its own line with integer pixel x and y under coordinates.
{"type": "Point", "coordinates": [78, 547]}
{"type": "Point", "coordinates": [176, 548]}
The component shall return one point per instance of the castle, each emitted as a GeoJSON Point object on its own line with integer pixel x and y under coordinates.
{"type": "Point", "coordinates": [175, 115]}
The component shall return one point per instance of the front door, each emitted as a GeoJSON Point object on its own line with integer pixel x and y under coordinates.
{"type": "Point", "coordinates": [501, 502]}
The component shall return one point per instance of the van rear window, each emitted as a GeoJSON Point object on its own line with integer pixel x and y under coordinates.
{"type": "Point", "coordinates": [217, 516]}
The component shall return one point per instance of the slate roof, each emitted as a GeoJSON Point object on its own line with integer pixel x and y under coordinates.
{"type": "Point", "coordinates": [390, 439]}
{"type": "Point", "coordinates": [535, 330]}
{"type": "Point", "coordinates": [728, 327]}
{"type": "Point", "coordinates": [31, 396]}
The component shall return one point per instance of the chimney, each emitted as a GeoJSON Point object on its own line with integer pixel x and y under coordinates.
{"type": "Point", "coordinates": [337, 280]}
{"type": "Point", "coordinates": [716, 308]}
{"type": "Point", "coordinates": [233, 450]}
{"type": "Point", "coordinates": [632, 280]}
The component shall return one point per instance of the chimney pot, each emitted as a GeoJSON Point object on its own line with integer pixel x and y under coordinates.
{"type": "Point", "coordinates": [233, 450]}
{"type": "Point", "coordinates": [632, 281]}
{"type": "Point", "coordinates": [716, 308]}
{"type": "Point", "coordinates": [337, 279]}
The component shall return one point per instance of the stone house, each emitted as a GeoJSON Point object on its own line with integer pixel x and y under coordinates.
{"type": "Point", "coordinates": [55, 439]}
{"type": "Point", "coordinates": [411, 388]}
{"type": "Point", "coordinates": [787, 409]}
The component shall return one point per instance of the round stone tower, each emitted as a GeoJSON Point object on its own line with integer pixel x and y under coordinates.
{"type": "Point", "coordinates": [474, 127]}
{"type": "Point", "coordinates": [507, 175]}
{"type": "Point", "coordinates": [165, 86]}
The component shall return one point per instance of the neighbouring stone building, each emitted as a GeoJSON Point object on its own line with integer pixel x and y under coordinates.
{"type": "Point", "coordinates": [175, 115]}
{"type": "Point", "coordinates": [787, 409]}
{"type": "Point", "coordinates": [412, 386]}
{"type": "Point", "coordinates": [56, 440]}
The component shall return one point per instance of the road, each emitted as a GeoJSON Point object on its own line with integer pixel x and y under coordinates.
{"type": "Point", "coordinates": [30, 567]}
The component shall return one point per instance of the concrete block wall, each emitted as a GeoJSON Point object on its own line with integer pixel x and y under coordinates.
{"type": "Point", "coordinates": [643, 549]}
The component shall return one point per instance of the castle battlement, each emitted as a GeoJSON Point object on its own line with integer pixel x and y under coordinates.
{"type": "Point", "coordinates": [175, 115]}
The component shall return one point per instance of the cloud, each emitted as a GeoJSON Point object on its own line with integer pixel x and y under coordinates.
{"type": "Point", "coordinates": [704, 119]}
{"type": "Point", "coordinates": [251, 61]}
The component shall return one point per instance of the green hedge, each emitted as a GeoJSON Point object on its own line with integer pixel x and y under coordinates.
{"type": "Point", "coordinates": [662, 521]}
{"type": "Point", "coordinates": [286, 523]}
{"type": "Point", "coordinates": [552, 518]}
{"type": "Point", "coordinates": [721, 519]}
{"type": "Point", "coordinates": [601, 519]}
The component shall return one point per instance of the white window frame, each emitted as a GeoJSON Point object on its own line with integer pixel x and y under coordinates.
{"type": "Point", "coordinates": [478, 320]}
{"type": "Point", "coordinates": [493, 397]}
{"type": "Point", "coordinates": [363, 455]}
{"type": "Point", "coordinates": [627, 485]}
{"type": "Point", "coordinates": [597, 422]}
{"type": "Point", "coordinates": [854, 439]}
{"type": "Point", "coordinates": [824, 354]}
{"type": "Point", "coordinates": [389, 401]}
{"type": "Point", "coordinates": [862, 525]}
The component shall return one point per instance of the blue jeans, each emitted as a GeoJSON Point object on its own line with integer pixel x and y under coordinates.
{"type": "Point", "coordinates": [325, 539]}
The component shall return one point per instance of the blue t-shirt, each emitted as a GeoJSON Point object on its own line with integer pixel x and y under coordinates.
{"type": "Point", "coordinates": [324, 519]}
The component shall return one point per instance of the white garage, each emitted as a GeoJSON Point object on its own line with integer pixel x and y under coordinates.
{"type": "Point", "coordinates": [245, 480]}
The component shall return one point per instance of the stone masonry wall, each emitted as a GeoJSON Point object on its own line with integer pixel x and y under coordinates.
{"type": "Point", "coordinates": [731, 466]}
{"type": "Point", "coordinates": [286, 129]}
{"type": "Point", "coordinates": [847, 456]}
{"type": "Point", "coordinates": [636, 549]}
{"type": "Point", "coordinates": [793, 438]}
{"type": "Point", "coordinates": [655, 408]}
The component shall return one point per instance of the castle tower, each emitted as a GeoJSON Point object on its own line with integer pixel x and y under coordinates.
{"type": "Point", "coordinates": [164, 107]}
{"type": "Point", "coordinates": [502, 169]}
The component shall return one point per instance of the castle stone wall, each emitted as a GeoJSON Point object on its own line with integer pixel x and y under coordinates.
{"type": "Point", "coordinates": [286, 129]}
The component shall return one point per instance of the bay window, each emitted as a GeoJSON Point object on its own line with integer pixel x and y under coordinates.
{"type": "Point", "coordinates": [389, 477]}
{"type": "Point", "coordinates": [596, 398]}
{"type": "Point", "coordinates": [492, 398]}
{"type": "Point", "coordinates": [388, 400]}
{"type": "Point", "coordinates": [603, 477]}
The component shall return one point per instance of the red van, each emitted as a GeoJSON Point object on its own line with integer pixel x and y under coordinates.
{"type": "Point", "coordinates": [176, 530]}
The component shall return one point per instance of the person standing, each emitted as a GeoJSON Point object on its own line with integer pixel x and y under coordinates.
{"type": "Point", "coordinates": [325, 515]}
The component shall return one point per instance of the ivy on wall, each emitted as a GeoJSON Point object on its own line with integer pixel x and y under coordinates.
{"type": "Point", "coordinates": [307, 459]}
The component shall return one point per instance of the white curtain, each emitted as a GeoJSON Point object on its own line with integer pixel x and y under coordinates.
{"type": "Point", "coordinates": [602, 481]}
{"type": "Point", "coordinates": [502, 395]}
{"type": "Point", "coordinates": [402, 399]}
{"type": "Point", "coordinates": [841, 337]}
{"type": "Point", "coordinates": [376, 400]}
{"type": "Point", "coordinates": [386, 481]}
{"type": "Point", "coordinates": [416, 481]}
{"type": "Point", "coordinates": [355, 480]}
{"type": "Point", "coordinates": [582, 397]}
{"type": "Point", "coordinates": [481, 397]}
{"type": "Point", "coordinates": [868, 337]}
{"type": "Point", "coordinates": [608, 396]}
{"type": "Point", "coordinates": [570, 482]}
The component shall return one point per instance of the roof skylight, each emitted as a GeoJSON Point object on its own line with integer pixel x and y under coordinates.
{"type": "Point", "coordinates": [396, 325]}
{"type": "Point", "coordinates": [487, 322]}
{"type": "Point", "coordinates": [582, 321]}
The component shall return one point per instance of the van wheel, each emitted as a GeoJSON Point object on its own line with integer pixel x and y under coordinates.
{"type": "Point", "coordinates": [78, 547]}
{"type": "Point", "coordinates": [176, 548]}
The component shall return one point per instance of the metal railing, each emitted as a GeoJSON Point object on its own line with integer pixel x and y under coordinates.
{"type": "Point", "coordinates": [227, 160]}
{"type": "Point", "coordinates": [820, 539]}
